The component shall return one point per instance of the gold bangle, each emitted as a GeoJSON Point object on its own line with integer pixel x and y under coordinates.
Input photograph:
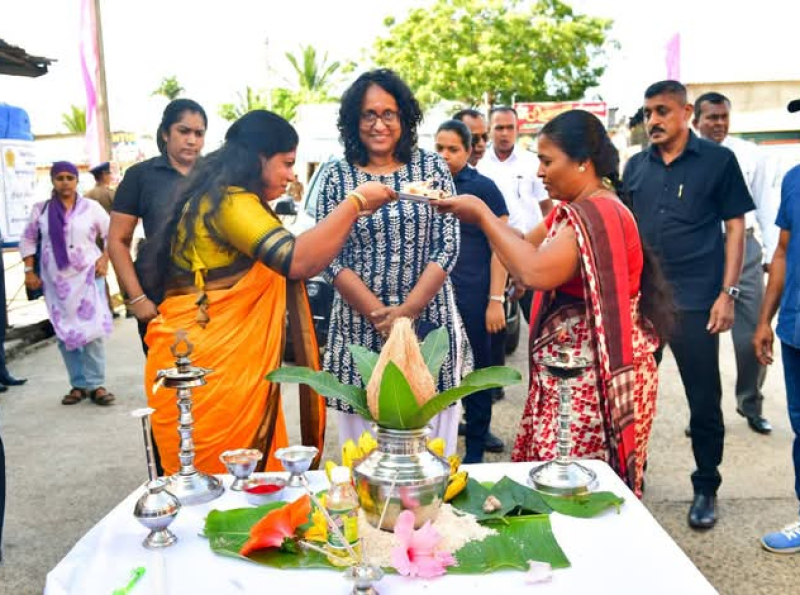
{"type": "Point", "coordinates": [354, 201]}
{"type": "Point", "coordinates": [360, 198]}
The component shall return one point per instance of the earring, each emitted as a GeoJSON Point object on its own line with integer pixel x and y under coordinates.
{"type": "Point", "coordinates": [582, 168]}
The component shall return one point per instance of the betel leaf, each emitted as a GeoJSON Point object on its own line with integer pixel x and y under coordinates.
{"type": "Point", "coordinates": [325, 384]}
{"type": "Point", "coordinates": [471, 500]}
{"type": "Point", "coordinates": [521, 499]}
{"type": "Point", "coordinates": [476, 381]}
{"type": "Point", "coordinates": [585, 505]}
{"type": "Point", "coordinates": [518, 540]}
{"type": "Point", "coordinates": [397, 406]}
{"type": "Point", "coordinates": [365, 361]}
{"type": "Point", "coordinates": [434, 350]}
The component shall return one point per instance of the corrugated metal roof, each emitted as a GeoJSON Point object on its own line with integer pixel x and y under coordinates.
{"type": "Point", "coordinates": [15, 61]}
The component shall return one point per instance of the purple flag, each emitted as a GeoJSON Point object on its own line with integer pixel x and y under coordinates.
{"type": "Point", "coordinates": [674, 58]}
{"type": "Point", "coordinates": [90, 67]}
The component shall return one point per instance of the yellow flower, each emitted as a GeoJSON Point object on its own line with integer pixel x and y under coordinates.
{"type": "Point", "coordinates": [367, 443]}
{"type": "Point", "coordinates": [319, 527]}
{"type": "Point", "coordinates": [455, 463]}
{"type": "Point", "coordinates": [329, 465]}
{"type": "Point", "coordinates": [455, 485]}
{"type": "Point", "coordinates": [350, 453]}
{"type": "Point", "coordinates": [437, 446]}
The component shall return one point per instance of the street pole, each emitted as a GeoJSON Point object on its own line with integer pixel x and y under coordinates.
{"type": "Point", "coordinates": [103, 123]}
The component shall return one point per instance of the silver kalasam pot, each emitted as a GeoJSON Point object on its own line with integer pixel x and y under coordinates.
{"type": "Point", "coordinates": [421, 478]}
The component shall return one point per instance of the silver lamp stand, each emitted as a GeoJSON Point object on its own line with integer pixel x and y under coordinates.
{"type": "Point", "coordinates": [189, 485]}
{"type": "Point", "coordinates": [563, 476]}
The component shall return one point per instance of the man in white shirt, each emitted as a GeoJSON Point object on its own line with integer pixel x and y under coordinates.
{"type": "Point", "coordinates": [711, 119]}
{"type": "Point", "coordinates": [514, 170]}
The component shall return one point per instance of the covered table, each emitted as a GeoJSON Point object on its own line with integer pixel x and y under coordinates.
{"type": "Point", "coordinates": [614, 553]}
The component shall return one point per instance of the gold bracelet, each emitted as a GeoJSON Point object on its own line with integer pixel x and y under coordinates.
{"type": "Point", "coordinates": [354, 201]}
{"type": "Point", "coordinates": [360, 198]}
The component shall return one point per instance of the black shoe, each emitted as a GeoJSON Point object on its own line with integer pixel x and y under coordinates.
{"type": "Point", "coordinates": [462, 429]}
{"type": "Point", "coordinates": [498, 394]}
{"type": "Point", "coordinates": [9, 380]}
{"type": "Point", "coordinates": [493, 444]}
{"type": "Point", "coordinates": [688, 431]}
{"type": "Point", "coordinates": [757, 423]}
{"type": "Point", "coordinates": [703, 513]}
{"type": "Point", "coordinates": [3, 388]}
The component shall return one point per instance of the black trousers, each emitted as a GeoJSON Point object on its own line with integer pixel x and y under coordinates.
{"type": "Point", "coordinates": [477, 406]}
{"type": "Point", "coordinates": [696, 352]}
{"type": "Point", "coordinates": [2, 493]}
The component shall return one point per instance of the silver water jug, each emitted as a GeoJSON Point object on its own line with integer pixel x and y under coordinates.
{"type": "Point", "coordinates": [404, 470]}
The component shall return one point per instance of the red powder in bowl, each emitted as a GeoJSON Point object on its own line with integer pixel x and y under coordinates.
{"type": "Point", "coordinates": [264, 488]}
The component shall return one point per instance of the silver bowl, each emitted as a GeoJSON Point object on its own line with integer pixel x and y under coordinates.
{"type": "Point", "coordinates": [296, 460]}
{"type": "Point", "coordinates": [241, 463]}
{"type": "Point", "coordinates": [256, 479]}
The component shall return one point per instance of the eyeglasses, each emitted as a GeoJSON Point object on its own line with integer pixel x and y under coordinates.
{"type": "Point", "coordinates": [476, 138]}
{"type": "Point", "coordinates": [387, 117]}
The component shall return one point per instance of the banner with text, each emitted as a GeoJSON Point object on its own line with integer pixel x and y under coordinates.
{"type": "Point", "coordinates": [532, 116]}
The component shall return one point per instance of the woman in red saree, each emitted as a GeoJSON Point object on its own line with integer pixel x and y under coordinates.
{"type": "Point", "coordinates": [599, 297]}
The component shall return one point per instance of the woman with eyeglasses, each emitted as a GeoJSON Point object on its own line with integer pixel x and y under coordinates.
{"type": "Point", "coordinates": [396, 262]}
{"type": "Point", "coordinates": [478, 277]}
{"type": "Point", "coordinates": [72, 274]}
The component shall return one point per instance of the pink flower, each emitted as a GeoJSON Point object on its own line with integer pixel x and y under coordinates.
{"type": "Point", "coordinates": [417, 555]}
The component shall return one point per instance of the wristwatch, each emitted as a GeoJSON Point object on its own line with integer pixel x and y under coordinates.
{"type": "Point", "coordinates": [28, 269]}
{"type": "Point", "coordinates": [498, 298]}
{"type": "Point", "coordinates": [732, 291]}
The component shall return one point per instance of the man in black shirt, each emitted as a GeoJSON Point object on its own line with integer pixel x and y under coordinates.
{"type": "Point", "coordinates": [681, 188]}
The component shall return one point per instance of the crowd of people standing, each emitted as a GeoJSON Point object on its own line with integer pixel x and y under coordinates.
{"type": "Point", "coordinates": [608, 271]}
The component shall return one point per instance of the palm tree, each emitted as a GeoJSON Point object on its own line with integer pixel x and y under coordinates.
{"type": "Point", "coordinates": [75, 120]}
{"type": "Point", "coordinates": [314, 78]}
{"type": "Point", "coordinates": [169, 88]}
{"type": "Point", "coordinates": [248, 102]}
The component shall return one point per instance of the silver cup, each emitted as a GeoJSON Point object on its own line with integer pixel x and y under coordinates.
{"type": "Point", "coordinates": [241, 463]}
{"type": "Point", "coordinates": [296, 460]}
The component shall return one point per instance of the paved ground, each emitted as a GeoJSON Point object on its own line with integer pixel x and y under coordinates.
{"type": "Point", "coordinates": [68, 466]}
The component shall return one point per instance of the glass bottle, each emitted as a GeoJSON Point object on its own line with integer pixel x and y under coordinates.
{"type": "Point", "coordinates": [342, 506]}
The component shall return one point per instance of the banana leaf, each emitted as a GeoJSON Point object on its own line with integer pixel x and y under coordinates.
{"type": "Point", "coordinates": [483, 379]}
{"type": "Point", "coordinates": [434, 350]}
{"type": "Point", "coordinates": [397, 406]}
{"type": "Point", "coordinates": [519, 539]}
{"type": "Point", "coordinates": [365, 361]}
{"type": "Point", "coordinates": [325, 384]}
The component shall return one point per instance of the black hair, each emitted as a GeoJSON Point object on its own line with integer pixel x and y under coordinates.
{"type": "Point", "coordinates": [350, 115]}
{"type": "Point", "coordinates": [469, 112]}
{"type": "Point", "coordinates": [503, 109]}
{"type": "Point", "coordinates": [582, 137]}
{"type": "Point", "coordinates": [173, 113]}
{"type": "Point", "coordinates": [237, 162]}
{"type": "Point", "coordinates": [666, 88]}
{"type": "Point", "coordinates": [711, 97]}
{"type": "Point", "coordinates": [460, 129]}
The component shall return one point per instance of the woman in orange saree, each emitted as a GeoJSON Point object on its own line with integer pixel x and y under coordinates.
{"type": "Point", "coordinates": [230, 275]}
{"type": "Point", "coordinates": [600, 299]}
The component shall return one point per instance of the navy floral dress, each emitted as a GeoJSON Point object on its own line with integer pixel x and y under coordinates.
{"type": "Point", "coordinates": [389, 250]}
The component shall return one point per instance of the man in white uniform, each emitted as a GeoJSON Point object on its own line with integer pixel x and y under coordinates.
{"type": "Point", "coordinates": [711, 119]}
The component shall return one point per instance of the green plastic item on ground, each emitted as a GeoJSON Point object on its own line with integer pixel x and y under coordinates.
{"type": "Point", "coordinates": [136, 574]}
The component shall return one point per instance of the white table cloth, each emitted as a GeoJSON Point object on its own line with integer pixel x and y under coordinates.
{"type": "Point", "coordinates": [613, 553]}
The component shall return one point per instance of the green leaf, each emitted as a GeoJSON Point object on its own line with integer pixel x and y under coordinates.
{"type": "Point", "coordinates": [584, 506]}
{"type": "Point", "coordinates": [397, 406]}
{"type": "Point", "coordinates": [227, 531]}
{"type": "Point", "coordinates": [521, 499]}
{"type": "Point", "coordinates": [325, 384]}
{"type": "Point", "coordinates": [365, 361]}
{"type": "Point", "coordinates": [518, 540]}
{"type": "Point", "coordinates": [484, 379]}
{"type": "Point", "coordinates": [471, 500]}
{"type": "Point", "coordinates": [434, 350]}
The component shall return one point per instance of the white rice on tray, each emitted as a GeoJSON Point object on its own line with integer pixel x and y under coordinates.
{"type": "Point", "coordinates": [456, 527]}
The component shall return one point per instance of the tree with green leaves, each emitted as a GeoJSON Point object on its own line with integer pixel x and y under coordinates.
{"type": "Point", "coordinates": [314, 77]}
{"type": "Point", "coordinates": [169, 88]}
{"type": "Point", "coordinates": [284, 103]}
{"type": "Point", "coordinates": [74, 120]}
{"type": "Point", "coordinates": [501, 50]}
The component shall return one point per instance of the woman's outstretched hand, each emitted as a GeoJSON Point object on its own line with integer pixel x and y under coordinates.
{"type": "Point", "coordinates": [376, 195]}
{"type": "Point", "coordinates": [468, 208]}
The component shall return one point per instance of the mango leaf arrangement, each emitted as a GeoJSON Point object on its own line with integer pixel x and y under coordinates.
{"type": "Point", "coordinates": [400, 382]}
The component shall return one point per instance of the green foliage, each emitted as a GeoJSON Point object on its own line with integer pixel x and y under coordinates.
{"type": "Point", "coordinates": [397, 407]}
{"type": "Point", "coordinates": [169, 88]}
{"type": "Point", "coordinates": [74, 120]}
{"type": "Point", "coordinates": [314, 74]}
{"type": "Point", "coordinates": [284, 103]}
{"type": "Point", "coordinates": [502, 50]}
{"type": "Point", "coordinates": [325, 384]}
{"type": "Point", "coordinates": [434, 350]}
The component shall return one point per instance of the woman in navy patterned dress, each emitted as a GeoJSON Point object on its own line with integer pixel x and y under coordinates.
{"type": "Point", "coordinates": [397, 261]}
